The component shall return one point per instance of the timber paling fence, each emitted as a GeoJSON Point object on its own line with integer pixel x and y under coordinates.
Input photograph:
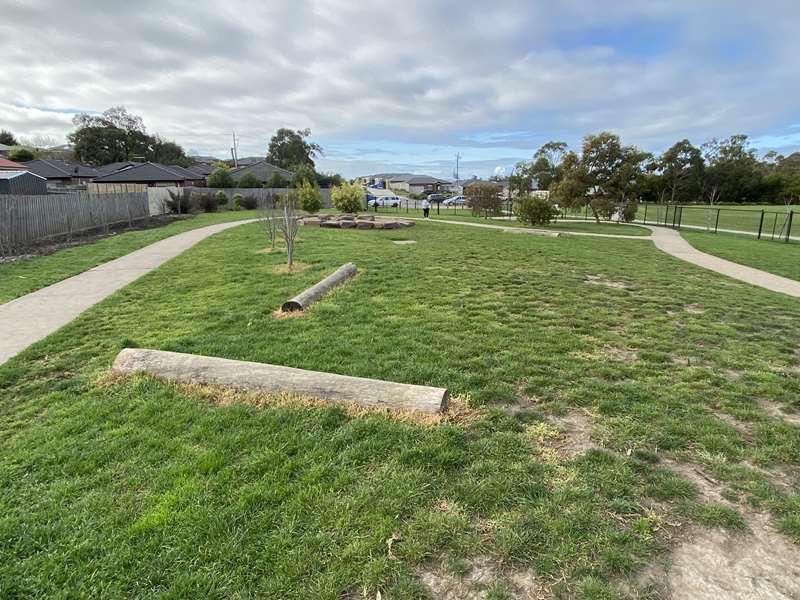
{"type": "Point", "coordinates": [27, 219]}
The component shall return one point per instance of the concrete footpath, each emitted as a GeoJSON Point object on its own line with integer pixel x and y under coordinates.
{"type": "Point", "coordinates": [26, 320]}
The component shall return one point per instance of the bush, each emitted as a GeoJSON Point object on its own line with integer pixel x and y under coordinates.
{"type": "Point", "coordinates": [21, 155]}
{"type": "Point", "coordinates": [276, 180]}
{"type": "Point", "coordinates": [204, 202]}
{"type": "Point", "coordinates": [237, 201]}
{"type": "Point", "coordinates": [177, 203]}
{"type": "Point", "coordinates": [309, 197]}
{"type": "Point", "coordinates": [628, 212]}
{"type": "Point", "coordinates": [484, 198]}
{"type": "Point", "coordinates": [348, 197]}
{"type": "Point", "coordinates": [248, 180]}
{"type": "Point", "coordinates": [221, 178]}
{"type": "Point", "coordinates": [221, 198]}
{"type": "Point", "coordinates": [535, 210]}
{"type": "Point", "coordinates": [248, 202]}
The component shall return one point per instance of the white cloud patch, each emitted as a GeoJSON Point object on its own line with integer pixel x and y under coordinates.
{"type": "Point", "coordinates": [505, 76]}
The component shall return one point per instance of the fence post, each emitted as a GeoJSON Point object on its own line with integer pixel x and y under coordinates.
{"type": "Point", "coordinates": [716, 223]}
{"type": "Point", "coordinates": [789, 226]}
{"type": "Point", "coordinates": [760, 224]}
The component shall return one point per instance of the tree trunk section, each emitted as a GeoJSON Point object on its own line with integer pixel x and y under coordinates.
{"type": "Point", "coordinates": [306, 298]}
{"type": "Point", "coordinates": [260, 377]}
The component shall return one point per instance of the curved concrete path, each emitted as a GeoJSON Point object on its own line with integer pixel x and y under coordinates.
{"type": "Point", "coordinates": [32, 317]}
{"type": "Point", "coordinates": [670, 241]}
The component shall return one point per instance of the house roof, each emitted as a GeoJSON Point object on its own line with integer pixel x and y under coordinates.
{"type": "Point", "coordinates": [187, 173]}
{"type": "Point", "coordinates": [201, 169]}
{"type": "Point", "coordinates": [11, 165]}
{"type": "Point", "coordinates": [249, 160]}
{"type": "Point", "coordinates": [59, 169]}
{"type": "Point", "coordinates": [117, 166]}
{"type": "Point", "coordinates": [423, 180]}
{"type": "Point", "coordinates": [12, 174]}
{"type": "Point", "coordinates": [143, 173]}
{"type": "Point", "coordinates": [210, 160]}
{"type": "Point", "coordinates": [262, 170]}
{"type": "Point", "coordinates": [3, 147]}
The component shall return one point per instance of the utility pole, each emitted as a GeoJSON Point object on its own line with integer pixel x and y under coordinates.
{"type": "Point", "coordinates": [458, 158]}
{"type": "Point", "coordinates": [235, 151]}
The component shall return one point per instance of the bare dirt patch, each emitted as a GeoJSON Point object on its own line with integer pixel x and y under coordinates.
{"type": "Point", "coordinates": [687, 361]}
{"type": "Point", "coordinates": [744, 428]}
{"type": "Point", "coordinates": [297, 267]}
{"type": "Point", "coordinates": [620, 354]}
{"type": "Point", "coordinates": [605, 281]}
{"type": "Point", "coordinates": [574, 434]}
{"type": "Point", "coordinates": [482, 574]}
{"type": "Point", "coordinates": [709, 564]}
{"type": "Point", "coordinates": [776, 411]}
{"type": "Point", "coordinates": [694, 309]}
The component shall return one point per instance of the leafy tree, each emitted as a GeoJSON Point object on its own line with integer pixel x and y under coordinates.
{"type": "Point", "coordinates": [166, 152]}
{"type": "Point", "coordinates": [21, 154]}
{"type": "Point", "coordinates": [327, 180]}
{"type": "Point", "coordinates": [535, 210]}
{"type": "Point", "coordinates": [348, 197]}
{"type": "Point", "coordinates": [733, 173]}
{"type": "Point", "coordinates": [304, 174]}
{"type": "Point", "coordinates": [289, 149]}
{"type": "Point", "coordinates": [221, 178]}
{"type": "Point", "coordinates": [7, 138]}
{"type": "Point", "coordinates": [542, 172]}
{"type": "Point", "coordinates": [682, 168]}
{"type": "Point", "coordinates": [276, 180]}
{"type": "Point", "coordinates": [484, 198]}
{"type": "Point", "coordinates": [309, 197]}
{"type": "Point", "coordinates": [221, 198]}
{"type": "Point", "coordinates": [248, 180]}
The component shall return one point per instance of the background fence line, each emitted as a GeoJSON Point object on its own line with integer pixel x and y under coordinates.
{"type": "Point", "coordinates": [25, 219]}
{"type": "Point", "coordinates": [261, 195]}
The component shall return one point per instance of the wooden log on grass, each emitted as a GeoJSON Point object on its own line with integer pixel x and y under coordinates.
{"type": "Point", "coordinates": [260, 377]}
{"type": "Point", "coordinates": [306, 298]}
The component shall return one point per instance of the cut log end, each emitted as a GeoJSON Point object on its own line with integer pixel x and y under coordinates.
{"type": "Point", "coordinates": [291, 306]}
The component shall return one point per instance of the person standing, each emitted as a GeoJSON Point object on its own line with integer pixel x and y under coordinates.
{"type": "Point", "coordinates": [426, 208]}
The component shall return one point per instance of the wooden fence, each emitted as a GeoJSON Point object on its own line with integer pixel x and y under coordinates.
{"type": "Point", "coordinates": [25, 219]}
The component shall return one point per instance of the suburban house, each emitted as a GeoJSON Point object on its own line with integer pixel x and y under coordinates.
{"type": "Point", "coordinates": [4, 150]}
{"type": "Point", "coordinates": [202, 169]}
{"type": "Point", "coordinates": [60, 172]}
{"type": "Point", "coordinates": [203, 160]}
{"type": "Point", "coordinates": [416, 184]}
{"type": "Point", "coordinates": [262, 170]}
{"type": "Point", "coordinates": [150, 175]}
{"type": "Point", "coordinates": [22, 182]}
{"type": "Point", "coordinates": [10, 165]}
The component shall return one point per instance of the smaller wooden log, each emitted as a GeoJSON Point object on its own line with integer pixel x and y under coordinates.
{"type": "Point", "coordinates": [261, 377]}
{"type": "Point", "coordinates": [305, 299]}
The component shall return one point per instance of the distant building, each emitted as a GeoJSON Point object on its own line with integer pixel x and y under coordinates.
{"type": "Point", "coordinates": [60, 172]}
{"type": "Point", "coordinates": [4, 150]}
{"type": "Point", "coordinates": [417, 184]}
{"type": "Point", "coordinates": [22, 182]}
{"type": "Point", "coordinates": [150, 175]}
{"type": "Point", "coordinates": [10, 165]}
{"type": "Point", "coordinates": [261, 169]}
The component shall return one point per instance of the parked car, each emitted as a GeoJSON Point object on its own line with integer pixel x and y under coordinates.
{"type": "Point", "coordinates": [392, 201]}
{"type": "Point", "coordinates": [436, 197]}
{"type": "Point", "coordinates": [455, 201]}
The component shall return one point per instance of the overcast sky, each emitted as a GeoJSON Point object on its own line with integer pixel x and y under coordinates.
{"type": "Point", "coordinates": [403, 86]}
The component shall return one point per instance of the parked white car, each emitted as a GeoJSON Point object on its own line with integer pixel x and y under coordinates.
{"type": "Point", "coordinates": [455, 201]}
{"type": "Point", "coordinates": [393, 201]}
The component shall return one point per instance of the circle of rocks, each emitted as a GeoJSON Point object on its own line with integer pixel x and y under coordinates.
{"type": "Point", "coordinates": [355, 221]}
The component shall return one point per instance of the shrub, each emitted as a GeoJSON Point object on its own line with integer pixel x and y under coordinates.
{"type": "Point", "coordinates": [221, 198]}
{"type": "Point", "coordinates": [21, 155]}
{"type": "Point", "coordinates": [484, 198]}
{"type": "Point", "coordinates": [248, 202]}
{"type": "Point", "coordinates": [628, 212]}
{"type": "Point", "coordinates": [248, 180]}
{"type": "Point", "coordinates": [535, 210]}
{"type": "Point", "coordinates": [220, 178]}
{"type": "Point", "coordinates": [205, 202]}
{"type": "Point", "coordinates": [276, 180]}
{"type": "Point", "coordinates": [237, 201]}
{"type": "Point", "coordinates": [309, 197]}
{"type": "Point", "coordinates": [348, 197]}
{"type": "Point", "coordinates": [177, 203]}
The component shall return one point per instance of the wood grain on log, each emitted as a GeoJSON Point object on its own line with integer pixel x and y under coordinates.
{"type": "Point", "coordinates": [260, 377]}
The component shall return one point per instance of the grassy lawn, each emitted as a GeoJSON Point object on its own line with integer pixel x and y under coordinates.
{"type": "Point", "coordinates": [135, 487]}
{"type": "Point", "coordinates": [27, 275]}
{"type": "Point", "coordinates": [774, 257]}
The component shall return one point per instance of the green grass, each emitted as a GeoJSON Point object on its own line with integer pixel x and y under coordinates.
{"type": "Point", "coordinates": [774, 257]}
{"type": "Point", "coordinates": [27, 275]}
{"type": "Point", "coordinates": [136, 487]}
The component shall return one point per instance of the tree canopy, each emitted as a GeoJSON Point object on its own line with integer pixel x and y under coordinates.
{"type": "Point", "coordinates": [290, 149]}
{"type": "Point", "coordinates": [117, 135]}
{"type": "Point", "coordinates": [7, 138]}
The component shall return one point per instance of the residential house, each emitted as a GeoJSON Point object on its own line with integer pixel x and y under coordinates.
{"type": "Point", "coordinates": [262, 170]}
{"type": "Point", "coordinates": [60, 172]}
{"type": "Point", "coordinates": [202, 169]}
{"type": "Point", "coordinates": [22, 182]}
{"type": "Point", "coordinates": [417, 184]}
{"type": "Point", "coordinates": [203, 160]}
{"type": "Point", "coordinates": [151, 175]}
{"type": "Point", "coordinates": [10, 165]}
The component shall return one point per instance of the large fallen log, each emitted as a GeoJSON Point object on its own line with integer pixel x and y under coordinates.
{"type": "Point", "coordinates": [305, 299]}
{"type": "Point", "coordinates": [261, 377]}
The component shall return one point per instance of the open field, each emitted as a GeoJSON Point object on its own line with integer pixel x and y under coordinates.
{"type": "Point", "coordinates": [29, 274]}
{"type": "Point", "coordinates": [587, 365]}
{"type": "Point", "coordinates": [771, 256]}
